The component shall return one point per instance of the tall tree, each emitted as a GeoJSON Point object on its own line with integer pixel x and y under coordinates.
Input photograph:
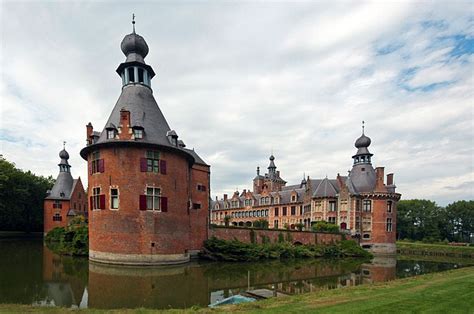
{"type": "Point", "coordinates": [460, 220]}
{"type": "Point", "coordinates": [418, 220]}
{"type": "Point", "coordinates": [21, 198]}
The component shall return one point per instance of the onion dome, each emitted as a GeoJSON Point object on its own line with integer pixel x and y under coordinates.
{"type": "Point", "coordinates": [64, 154]}
{"type": "Point", "coordinates": [362, 141]}
{"type": "Point", "coordinates": [134, 43]}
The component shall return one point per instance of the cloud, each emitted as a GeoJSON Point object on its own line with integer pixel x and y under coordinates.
{"type": "Point", "coordinates": [238, 80]}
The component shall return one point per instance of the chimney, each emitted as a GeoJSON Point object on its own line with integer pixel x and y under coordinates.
{"type": "Point", "coordinates": [278, 173]}
{"type": "Point", "coordinates": [124, 118]}
{"type": "Point", "coordinates": [225, 197]}
{"type": "Point", "coordinates": [390, 179]}
{"type": "Point", "coordinates": [258, 171]}
{"type": "Point", "coordinates": [379, 176]}
{"type": "Point", "coordinates": [89, 131]}
{"type": "Point", "coordinates": [216, 199]}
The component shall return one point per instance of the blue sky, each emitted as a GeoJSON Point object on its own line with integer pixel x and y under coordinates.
{"type": "Point", "coordinates": [237, 80]}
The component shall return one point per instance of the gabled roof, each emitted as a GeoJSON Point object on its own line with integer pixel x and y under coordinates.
{"type": "Point", "coordinates": [326, 188]}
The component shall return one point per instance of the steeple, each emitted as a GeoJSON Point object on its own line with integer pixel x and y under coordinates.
{"type": "Point", "coordinates": [134, 70]}
{"type": "Point", "coordinates": [363, 155]}
{"type": "Point", "coordinates": [63, 164]}
{"type": "Point", "coordinates": [271, 166]}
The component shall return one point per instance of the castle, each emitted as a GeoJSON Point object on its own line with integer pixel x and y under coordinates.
{"type": "Point", "coordinates": [66, 199]}
{"type": "Point", "coordinates": [148, 193]}
{"type": "Point", "coordinates": [148, 197]}
{"type": "Point", "coordinates": [361, 204]}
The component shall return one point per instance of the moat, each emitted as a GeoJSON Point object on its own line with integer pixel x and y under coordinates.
{"type": "Point", "coordinates": [31, 274]}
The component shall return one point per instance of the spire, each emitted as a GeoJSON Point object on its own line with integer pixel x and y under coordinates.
{"type": "Point", "coordinates": [64, 164]}
{"type": "Point", "coordinates": [133, 22]}
{"type": "Point", "coordinates": [271, 166]}
{"type": "Point", "coordinates": [363, 127]}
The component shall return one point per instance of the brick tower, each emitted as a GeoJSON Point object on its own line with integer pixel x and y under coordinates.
{"type": "Point", "coordinates": [66, 199]}
{"type": "Point", "coordinates": [148, 194]}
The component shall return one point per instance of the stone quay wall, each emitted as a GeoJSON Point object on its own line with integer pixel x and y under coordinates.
{"type": "Point", "coordinates": [296, 237]}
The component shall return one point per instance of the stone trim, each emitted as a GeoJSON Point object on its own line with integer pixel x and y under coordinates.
{"type": "Point", "coordinates": [138, 259]}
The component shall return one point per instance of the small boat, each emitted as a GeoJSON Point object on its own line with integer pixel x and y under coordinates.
{"type": "Point", "coordinates": [235, 299]}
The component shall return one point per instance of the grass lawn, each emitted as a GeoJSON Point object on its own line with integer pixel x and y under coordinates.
{"type": "Point", "coordinates": [444, 292]}
{"type": "Point", "coordinates": [440, 248]}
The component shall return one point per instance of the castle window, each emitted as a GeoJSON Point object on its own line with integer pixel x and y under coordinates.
{"type": "Point", "coordinates": [367, 206]}
{"type": "Point", "coordinates": [293, 198]}
{"type": "Point", "coordinates": [366, 224]}
{"type": "Point", "coordinates": [152, 161]}
{"type": "Point", "coordinates": [332, 220]}
{"type": "Point", "coordinates": [57, 204]}
{"type": "Point", "coordinates": [267, 200]}
{"type": "Point", "coordinates": [389, 224]}
{"type": "Point", "coordinates": [97, 164]}
{"type": "Point", "coordinates": [389, 206]}
{"type": "Point", "coordinates": [276, 200]}
{"type": "Point", "coordinates": [114, 199]}
{"type": "Point", "coordinates": [293, 210]}
{"type": "Point", "coordinates": [201, 187]}
{"type": "Point", "coordinates": [131, 75]}
{"type": "Point", "coordinates": [366, 236]}
{"type": "Point", "coordinates": [140, 75]}
{"type": "Point", "coordinates": [266, 212]}
{"type": "Point", "coordinates": [110, 133]}
{"type": "Point", "coordinates": [96, 198]}
{"type": "Point", "coordinates": [153, 198]}
{"type": "Point", "coordinates": [137, 133]}
{"type": "Point", "coordinates": [275, 224]}
{"type": "Point", "coordinates": [197, 206]}
{"type": "Point", "coordinates": [332, 206]}
{"type": "Point", "coordinates": [57, 217]}
{"type": "Point", "coordinates": [235, 204]}
{"type": "Point", "coordinates": [284, 211]}
{"type": "Point", "coordinates": [276, 211]}
{"type": "Point", "coordinates": [357, 223]}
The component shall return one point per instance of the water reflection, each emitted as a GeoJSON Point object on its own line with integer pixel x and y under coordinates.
{"type": "Point", "coordinates": [32, 274]}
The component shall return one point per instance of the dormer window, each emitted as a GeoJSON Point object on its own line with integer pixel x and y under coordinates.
{"type": "Point", "coordinates": [110, 134]}
{"type": "Point", "coordinates": [293, 198]}
{"type": "Point", "coordinates": [138, 133]}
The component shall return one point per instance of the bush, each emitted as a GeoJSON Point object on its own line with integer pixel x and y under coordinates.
{"type": "Point", "coordinates": [261, 223]}
{"type": "Point", "coordinates": [222, 250]}
{"type": "Point", "coordinates": [322, 226]}
{"type": "Point", "coordinates": [72, 240]}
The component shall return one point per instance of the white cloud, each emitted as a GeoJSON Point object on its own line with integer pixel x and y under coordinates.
{"type": "Point", "coordinates": [236, 80]}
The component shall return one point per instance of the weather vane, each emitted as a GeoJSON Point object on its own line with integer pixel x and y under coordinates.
{"type": "Point", "coordinates": [363, 127]}
{"type": "Point", "coordinates": [133, 22]}
{"type": "Point", "coordinates": [64, 144]}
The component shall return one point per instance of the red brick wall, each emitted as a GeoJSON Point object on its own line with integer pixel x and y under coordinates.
{"type": "Point", "coordinates": [49, 212]}
{"type": "Point", "coordinates": [379, 222]}
{"type": "Point", "coordinates": [303, 237]}
{"type": "Point", "coordinates": [199, 218]}
{"type": "Point", "coordinates": [129, 230]}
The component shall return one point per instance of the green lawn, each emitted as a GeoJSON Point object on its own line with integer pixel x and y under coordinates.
{"type": "Point", "coordinates": [436, 248]}
{"type": "Point", "coordinates": [444, 292]}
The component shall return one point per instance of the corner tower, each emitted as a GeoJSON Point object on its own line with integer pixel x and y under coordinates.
{"type": "Point", "coordinates": [148, 194]}
{"type": "Point", "coordinates": [373, 202]}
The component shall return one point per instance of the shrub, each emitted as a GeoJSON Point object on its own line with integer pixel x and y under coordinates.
{"type": "Point", "coordinates": [281, 238]}
{"type": "Point", "coordinates": [72, 240]}
{"type": "Point", "coordinates": [322, 226]}
{"type": "Point", "coordinates": [261, 223]}
{"type": "Point", "coordinates": [299, 226]}
{"type": "Point", "coordinates": [252, 237]}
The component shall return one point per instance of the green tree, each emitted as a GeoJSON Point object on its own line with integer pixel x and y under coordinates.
{"type": "Point", "coordinates": [21, 198]}
{"type": "Point", "coordinates": [322, 226]}
{"type": "Point", "coordinates": [261, 223]}
{"type": "Point", "coordinates": [419, 220]}
{"type": "Point", "coordinates": [459, 221]}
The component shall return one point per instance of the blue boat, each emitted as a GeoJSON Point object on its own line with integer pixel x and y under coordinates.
{"type": "Point", "coordinates": [235, 299]}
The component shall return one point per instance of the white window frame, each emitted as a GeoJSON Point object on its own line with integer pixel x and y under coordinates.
{"type": "Point", "coordinates": [154, 197]}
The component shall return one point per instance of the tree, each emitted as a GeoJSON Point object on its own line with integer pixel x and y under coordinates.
{"type": "Point", "coordinates": [261, 223]}
{"type": "Point", "coordinates": [322, 226]}
{"type": "Point", "coordinates": [419, 220]}
{"type": "Point", "coordinates": [459, 221]}
{"type": "Point", "coordinates": [227, 219]}
{"type": "Point", "coordinates": [21, 198]}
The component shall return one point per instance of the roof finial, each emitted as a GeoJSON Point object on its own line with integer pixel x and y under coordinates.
{"type": "Point", "coordinates": [133, 22]}
{"type": "Point", "coordinates": [363, 127]}
{"type": "Point", "coordinates": [64, 145]}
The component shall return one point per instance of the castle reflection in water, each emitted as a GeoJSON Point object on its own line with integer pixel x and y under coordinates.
{"type": "Point", "coordinates": [73, 282]}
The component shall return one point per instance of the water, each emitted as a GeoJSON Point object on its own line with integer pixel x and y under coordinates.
{"type": "Point", "coordinates": [31, 274]}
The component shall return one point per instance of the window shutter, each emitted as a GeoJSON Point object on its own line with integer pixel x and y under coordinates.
{"type": "Point", "coordinates": [163, 166]}
{"type": "Point", "coordinates": [102, 201]}
{"type": "Point", "coordinates": [143, 165]}
{"type": "Point", "coordinates": [142, 202]}
{"type": "Point", "coordinates": [90, 202]}
{"type": "Point", "coordinates": [164, 204]}
{"type": "Point", "coordinates": [101, 165]}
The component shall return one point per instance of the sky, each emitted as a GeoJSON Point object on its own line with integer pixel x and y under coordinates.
{"type": "Point", "coordinates": [239, 80]}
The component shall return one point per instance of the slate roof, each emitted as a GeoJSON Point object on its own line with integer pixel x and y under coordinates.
{"type": "Point", "coordinates": [326, 188]}
{"type": "Point", "coordinates": [64, 184]}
